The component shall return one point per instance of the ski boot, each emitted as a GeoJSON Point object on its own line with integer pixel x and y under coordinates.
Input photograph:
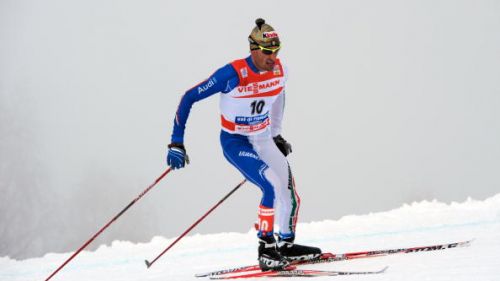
{"type": "Point", "coordinates": [269, 257]}
{"type": "Point", "coordinates": [295, 252]}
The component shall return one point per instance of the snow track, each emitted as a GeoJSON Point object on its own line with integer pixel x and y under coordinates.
{"type": "Point", "coordinates": [417, 224]}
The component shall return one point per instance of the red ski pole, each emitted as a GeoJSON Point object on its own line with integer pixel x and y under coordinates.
{"type": "Point", "coordinates": [150, 263]}
{"type": "Point", "coordinates": [110, 222]}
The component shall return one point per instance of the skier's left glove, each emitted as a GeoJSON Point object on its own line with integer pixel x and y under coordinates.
{"type": "Point", "coordinates": [177, 157]}
{"type": "Point", "coordinates": [283, 145]}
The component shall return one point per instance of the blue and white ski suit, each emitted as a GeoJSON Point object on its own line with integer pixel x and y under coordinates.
{"type": "Point", "coordinates": [251, 105]}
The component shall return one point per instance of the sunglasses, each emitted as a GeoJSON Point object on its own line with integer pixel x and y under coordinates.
{"type": "Point", "coordinates": [268, 51]}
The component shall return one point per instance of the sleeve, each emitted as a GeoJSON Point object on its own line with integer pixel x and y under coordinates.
{"type": "Point", "coordinates": [216, 83]}
{"type": "Point", "coordinates": [277, 114]}
{"type": "Point", "coordinates": [278, 109]}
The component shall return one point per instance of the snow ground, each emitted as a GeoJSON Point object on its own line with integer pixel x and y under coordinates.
{"type": "Point", "coordinates": [417, 224]}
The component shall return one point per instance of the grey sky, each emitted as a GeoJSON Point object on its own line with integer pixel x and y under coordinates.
{"type": "Point", "coordinates": [388, 102]}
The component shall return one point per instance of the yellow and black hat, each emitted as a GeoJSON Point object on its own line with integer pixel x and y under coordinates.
{"type": "Point", "coordinates": [264, 35]}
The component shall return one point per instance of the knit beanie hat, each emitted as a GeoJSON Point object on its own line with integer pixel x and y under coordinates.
{"type": "Point", "coordinates": [264, 35]}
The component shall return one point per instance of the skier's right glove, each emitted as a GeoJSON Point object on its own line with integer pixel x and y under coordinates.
{"type": "Point", "coordinates": [177, 157]}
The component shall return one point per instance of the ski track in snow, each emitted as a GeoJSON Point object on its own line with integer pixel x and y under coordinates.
{"type": "Point", "coordinates": [418, 224]}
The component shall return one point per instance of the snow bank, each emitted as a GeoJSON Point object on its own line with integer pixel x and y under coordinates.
{"type": "Point", "coordinates": [415, 224]}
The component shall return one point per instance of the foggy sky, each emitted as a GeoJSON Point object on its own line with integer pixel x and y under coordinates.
{"type": "Point", "coordinates": [388, 102]}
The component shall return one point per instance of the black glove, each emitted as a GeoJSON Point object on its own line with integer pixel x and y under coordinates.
{"type": "Point", "coordinates": [283, 145]}
{"type": "Point", "coordinates": [177, 157]}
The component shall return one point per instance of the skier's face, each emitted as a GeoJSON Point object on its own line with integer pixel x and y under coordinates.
{"type": "Point", "coordinates": [264, 60]}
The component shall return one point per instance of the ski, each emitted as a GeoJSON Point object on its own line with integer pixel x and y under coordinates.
{"type": "Point", "coordinates": [294, 273]}
{"type": "Point", "coordinates": [331, 257]}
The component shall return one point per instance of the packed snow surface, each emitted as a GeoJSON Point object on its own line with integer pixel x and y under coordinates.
{"type": "Point", "coordinates": [418, 224]}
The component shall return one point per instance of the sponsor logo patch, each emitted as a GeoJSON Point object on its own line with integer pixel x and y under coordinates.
{"type": "Point", "coordinates": [248, 154]}
{"type": "Point", "coordinates": [205, 86]}
{"type": "Point", "coordinates": [276, 70]}
{"type": "Point", "coordinates": [270, 34]}
{"type": "Point", "coordinates": [244, 72]}
{"type": "Point", "coordinates": [256, 87]}
{"type": "Point", "coordinates": [251, 120]}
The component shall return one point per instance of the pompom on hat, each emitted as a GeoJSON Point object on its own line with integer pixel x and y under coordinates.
{"type": "Point", "coordinates": [264, 35]}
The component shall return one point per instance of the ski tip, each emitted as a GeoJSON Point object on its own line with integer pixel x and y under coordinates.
{"type": "Point", "coordinates": [148, 264]}
{"type": "Point", "coordinates": [465, 243]}
{"type": "Point", "coordinates": [201, 275]}
{"type": "Point", "coordinates": [383, 269]}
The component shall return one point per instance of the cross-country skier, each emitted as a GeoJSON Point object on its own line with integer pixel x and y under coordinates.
{"type": "Point", "coordinates": [251, 103]}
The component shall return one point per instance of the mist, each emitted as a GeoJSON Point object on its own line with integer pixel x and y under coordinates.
{"type": "Point", "coordinates": [388, 102]}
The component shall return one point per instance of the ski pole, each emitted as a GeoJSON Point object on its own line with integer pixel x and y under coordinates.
{"type": "Point", "coordinates": [150, 263]}
{"type": "Point", "coordinates": [110, 222]}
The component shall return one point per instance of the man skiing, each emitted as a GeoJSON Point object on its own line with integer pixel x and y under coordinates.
{"type": "Point", "coordinates": [251, 104]}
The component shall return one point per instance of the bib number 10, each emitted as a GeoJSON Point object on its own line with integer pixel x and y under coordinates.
{"type": "Point", "coordinates": [257, 106]}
